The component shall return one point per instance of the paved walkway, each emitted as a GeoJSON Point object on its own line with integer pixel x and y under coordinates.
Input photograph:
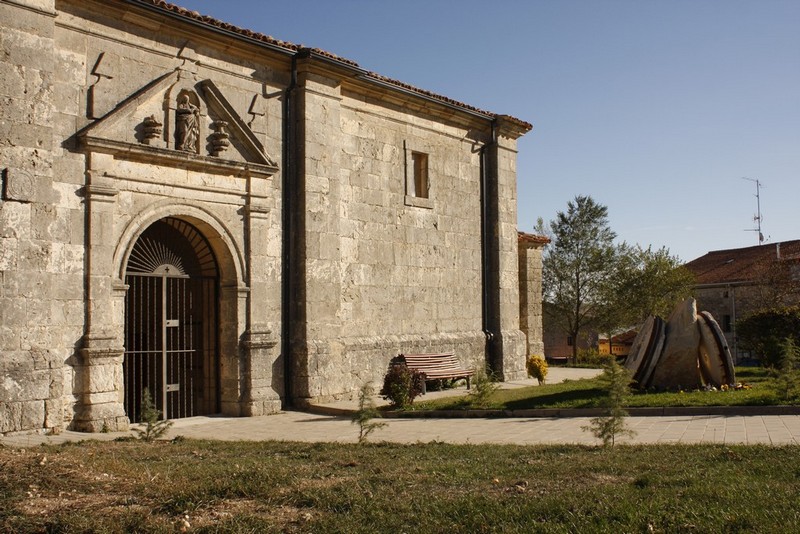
{"type": "Point", "coordinates": [308, 427]}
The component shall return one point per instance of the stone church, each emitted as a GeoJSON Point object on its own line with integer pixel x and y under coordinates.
{"type": "Point", "coordinates": [236, 223]}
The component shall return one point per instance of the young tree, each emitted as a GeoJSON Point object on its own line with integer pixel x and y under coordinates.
{"type": "Point", "coordinates": [578, 266]}
{"type": "Point", "coordinates": [367, 411]}
{"type": "Point", "coordinates": [154, 426]}
{"type": "Point", "coordinates": [615, 381]}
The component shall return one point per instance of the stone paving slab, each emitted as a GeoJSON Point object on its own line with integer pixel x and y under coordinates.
{"type": "Point", "coordinates": [306, 427]}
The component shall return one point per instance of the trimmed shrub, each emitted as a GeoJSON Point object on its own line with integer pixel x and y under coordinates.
{"type": "Point", "coordinates": [402, 385]}
{"type": "Point", "coordinates": [484, 385]}
{"type": "Point", "coordinates": [537, 368]}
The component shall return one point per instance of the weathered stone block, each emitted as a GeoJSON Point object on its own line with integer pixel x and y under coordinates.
{"type": "Point", "coordinates": [19, 185]}
{"type": "Point", "coordinates": [16, 416]}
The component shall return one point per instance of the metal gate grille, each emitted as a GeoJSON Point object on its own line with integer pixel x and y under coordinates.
{"type": "Point", "coordinates": [170, 323]}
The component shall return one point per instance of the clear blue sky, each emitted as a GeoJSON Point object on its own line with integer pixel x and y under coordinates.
{"type": "Point", "coordinates": [657, 109]}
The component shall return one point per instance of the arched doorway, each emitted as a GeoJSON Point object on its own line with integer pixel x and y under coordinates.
{"type": "Point", "coordinates": [171, 322]}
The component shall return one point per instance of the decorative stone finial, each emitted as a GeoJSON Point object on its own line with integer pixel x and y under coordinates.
{"type": "Point", "coordinates": [219, 139]}
{"type": "Point", "coordinates": [152, 129]}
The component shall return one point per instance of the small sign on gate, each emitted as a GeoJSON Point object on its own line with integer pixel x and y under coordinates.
{"type": "Point", "coordinates": [173, 387]}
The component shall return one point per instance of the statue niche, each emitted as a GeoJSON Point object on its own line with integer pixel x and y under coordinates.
{"type": "Point", "coordinates": [187, 123]}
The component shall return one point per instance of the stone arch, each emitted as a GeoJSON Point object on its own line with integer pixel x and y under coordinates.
{"type": "Point", "coordinates": [231, 275]}
{"type": "Point", "coordinates": [229, 253]}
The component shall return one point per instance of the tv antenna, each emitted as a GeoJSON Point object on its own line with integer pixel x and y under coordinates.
{"type": "Point", "coordinates": [758, 217]}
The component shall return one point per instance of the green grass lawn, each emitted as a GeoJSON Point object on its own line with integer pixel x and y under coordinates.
{"type": "Point", "coordinates": [295, 487]}
{"type": "Point", "coordinates": [586, 393]}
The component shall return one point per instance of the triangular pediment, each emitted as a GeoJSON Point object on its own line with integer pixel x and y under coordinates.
{"type": "Point", "coordinates": [178, 120]}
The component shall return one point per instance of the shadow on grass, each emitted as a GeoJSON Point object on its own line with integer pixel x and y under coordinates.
{"type": "Point", "coordinates": [574, 398]}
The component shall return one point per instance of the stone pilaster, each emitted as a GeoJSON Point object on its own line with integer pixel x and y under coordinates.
{"type": "Point", "coordinates": [262, 380]}
{"type": "Point", "coordinates": [262, 376]}
{"type": "Point", "coordinates": [99, 385]}
{"type": "Point", "coordinates": [317, 254]}
{"type": "Point", "coordinates": [530, 291]}
{"type": "Point", "coordinates": [510, 344]}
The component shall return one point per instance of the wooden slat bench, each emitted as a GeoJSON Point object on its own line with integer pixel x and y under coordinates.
{"type": "Point", "coordinates": [438, 366]}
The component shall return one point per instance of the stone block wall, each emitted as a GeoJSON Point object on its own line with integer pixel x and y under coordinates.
{"type": "Point", "coordinates": [41, 253]}
{"type": "Point", "coordinates": [386, 273]}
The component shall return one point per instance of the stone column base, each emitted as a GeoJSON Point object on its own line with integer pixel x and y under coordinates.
{"type": "Point", "coordinates": [99, 385]}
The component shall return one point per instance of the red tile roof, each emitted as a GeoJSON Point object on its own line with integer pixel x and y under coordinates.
{"type": "Point", "coordinates": [522, 237]}
{"type": "Point", "coordinates": [291, 47]}
{"type": "Point", "coordinates": [740, 264]}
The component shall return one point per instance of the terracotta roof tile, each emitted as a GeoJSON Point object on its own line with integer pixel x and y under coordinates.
{"type": "Point", "coordinates": [291, 47]}
{"type": "Point", "coordinates": [523, 237]}
{"type": "Point", "coordinates": [740, 264]}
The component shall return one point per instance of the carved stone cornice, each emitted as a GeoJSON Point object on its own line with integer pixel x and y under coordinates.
{"type": "Point", "coordinates": [257, 211]}
{"type": "Point", "coordinates": [175, 158]}
{"type": "Point", "coordinates": [101, 192]}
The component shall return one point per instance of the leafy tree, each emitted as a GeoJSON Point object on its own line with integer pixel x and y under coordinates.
{"type": "Point", "coordinates": [578, 266]}
{"type": "Point", "coordinates": [645, 282]}
{"type": "Point", "coordinates": [590, 283]}
{"type": "Point", "coordinates": [777, 283]}
{"type": "Point", "coordinates": [765, 333]}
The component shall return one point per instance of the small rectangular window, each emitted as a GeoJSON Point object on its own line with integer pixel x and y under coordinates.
{"type": "Point", "coordinates": [419, 191]}
{"type": "Point", "coordinates": [420, 181]}
{"type": "Point", "coordinates": [726, 323]}
{"type": "Point", "coordinates": [569, 341]}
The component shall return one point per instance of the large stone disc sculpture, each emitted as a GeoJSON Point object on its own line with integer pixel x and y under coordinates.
{"type": "Point", "coordinates": [687, 351]}
{"type": "Point", "coordinates": [646, 351]}
{"type": "Point", "coordinates": [716, 363]}
{"type": "Point", "coordinates": [677, 367]}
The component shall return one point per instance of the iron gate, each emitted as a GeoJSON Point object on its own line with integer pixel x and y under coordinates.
{"type": "Point", "coordinates": [171, 323]}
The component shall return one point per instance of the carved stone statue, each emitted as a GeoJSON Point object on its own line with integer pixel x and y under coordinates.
{"type": "Point", "coordinates": [187, 125]}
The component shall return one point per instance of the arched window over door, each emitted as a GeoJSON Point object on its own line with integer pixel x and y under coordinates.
{"type": "Point", "coordinates": [171, 322]}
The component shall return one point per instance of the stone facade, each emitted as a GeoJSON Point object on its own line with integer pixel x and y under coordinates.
{"type": "Point", "coordinates": [145, 147]}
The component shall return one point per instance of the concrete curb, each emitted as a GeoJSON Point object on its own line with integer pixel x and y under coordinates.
{"type": "Point", "coordinates": [669, 411]}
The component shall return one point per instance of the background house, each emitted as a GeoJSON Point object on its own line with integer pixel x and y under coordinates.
{"type": "Point", "coordinates": [733, 283]}
{"type": "Point", "coordinates": [558, 343]}
{"type": "Point", "coordinates": [617, 344]}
